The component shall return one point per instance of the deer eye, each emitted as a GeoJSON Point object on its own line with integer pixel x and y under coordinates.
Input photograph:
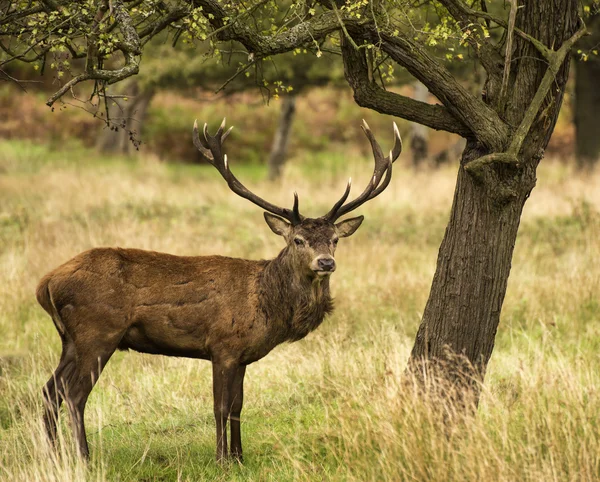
{"type": "Point", "coordinates": [335, 241]}
{"type": "Point", "coordinates": [299, 241]}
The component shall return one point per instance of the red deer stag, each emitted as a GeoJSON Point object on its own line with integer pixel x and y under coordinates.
{"type": "Point", "coordinates": [226, 310]}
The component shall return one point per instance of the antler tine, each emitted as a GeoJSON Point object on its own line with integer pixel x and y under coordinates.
{"type": "Point", "coordinates": [383, 166]}
{"type": "Point", "coordinates": [200, 145]}
{"type": "Point", "coordinates": [295, 211]}
{"type": "Point", "coordinates": [211, 148]}
{"type": "Point", "coordinates": [384, 184]}
{"type": "Point", "coordinates": [377, 152]}
{"type": "Point", "coordinates": [331, 214]}
{"type": "Point", "coordinates": [227, 132]}
{"type": "Point", "coordinates": [397, 149]}
{"type": "Point", "coordinates": [221, 127]}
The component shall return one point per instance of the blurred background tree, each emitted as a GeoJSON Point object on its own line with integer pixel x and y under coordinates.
{"type": "Point", "coordinates": [187, 70]}
{"type": "Point", "coordinates": [587, 91]}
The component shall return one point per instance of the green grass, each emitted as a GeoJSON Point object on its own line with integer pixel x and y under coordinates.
{"type": "Point", "coordinates": [333, 406]}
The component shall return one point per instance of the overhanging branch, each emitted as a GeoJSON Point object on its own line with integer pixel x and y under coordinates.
{"type": "Point", "coordinates": [480, 118]}
{"type": "Point", "coordinates": [369, 94]}
{"type": "Point", "coordinates": [304, 33]}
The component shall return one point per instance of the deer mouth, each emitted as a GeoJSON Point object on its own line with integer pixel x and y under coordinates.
{"type": "Point", "coordinates": [322, 272]}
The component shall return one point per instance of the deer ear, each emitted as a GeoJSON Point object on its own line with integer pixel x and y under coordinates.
{"type": "Point", "coordinates": [277, 224]}
{"type": "Point", "coordinates": [348, 226]}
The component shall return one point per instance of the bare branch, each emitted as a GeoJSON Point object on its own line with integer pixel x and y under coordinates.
{"type": "Point", "coordinates": [480, 118]}
{"type": "Point", "coordinates": [556, 61]}
{"type": "Point", "coordinates": [109, 76]}
{"type": "Point", "coordinates": [10, 17]}
{"type": "Point", "coordinates": [370, 95]}
{"type": "Point", "coordinates": [162, 23]}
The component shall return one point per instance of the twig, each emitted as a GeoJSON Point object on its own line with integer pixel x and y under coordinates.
{"type": "Point", "coordinates": [16, 81]}
{"type": "Point", "coordinates": [346, 34]}
{"type": "Point", "coordinates": [241, 70]}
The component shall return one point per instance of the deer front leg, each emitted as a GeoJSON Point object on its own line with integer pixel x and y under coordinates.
{"type": "Point", "coordinates": [223, 377]}
{"type": "Point", "coordinates": [237, 400]}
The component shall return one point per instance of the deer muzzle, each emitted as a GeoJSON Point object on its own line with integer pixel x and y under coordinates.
{"type": "Point", "coordinates": [323, 265]}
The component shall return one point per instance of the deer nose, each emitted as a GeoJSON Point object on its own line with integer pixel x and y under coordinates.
{"type": "Point", "coordinates": [326, 264]}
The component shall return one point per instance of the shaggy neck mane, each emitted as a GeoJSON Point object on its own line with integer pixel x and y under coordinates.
{"type": "Point", "coordinates": [295, 301]}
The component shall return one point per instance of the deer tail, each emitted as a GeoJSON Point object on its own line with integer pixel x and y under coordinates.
{"type": "Point", "coordinates": [44, 297]}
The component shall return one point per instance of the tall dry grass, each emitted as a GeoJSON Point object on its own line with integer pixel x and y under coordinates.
{"type": "Point", "coordinates": [333, 406]}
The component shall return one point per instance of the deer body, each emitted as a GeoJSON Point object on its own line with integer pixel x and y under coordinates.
{"type": "Point", "coordinates": [230, 311]}
{"type": "Point", "coordinates": [180, 311]}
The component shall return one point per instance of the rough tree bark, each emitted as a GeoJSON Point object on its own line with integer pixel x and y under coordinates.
{"type": "Point", "coordinates": [277, 157]}
{"type": "Point", "coordinates": [587, 100]}
{"type": "Point", "coordinates": [463, 310]}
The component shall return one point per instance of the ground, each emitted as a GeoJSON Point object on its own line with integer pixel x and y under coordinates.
{"type": "Point", "coordinates": [333, 406]}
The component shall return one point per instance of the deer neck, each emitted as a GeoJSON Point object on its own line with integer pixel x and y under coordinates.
{"type": "Point", "coordinates": [294, 302]}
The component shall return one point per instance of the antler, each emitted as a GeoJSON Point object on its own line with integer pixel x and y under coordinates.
{"type": "Point", "coordinates": [383, 165]}
{"type": "Point", "coordinates": [211, 148]}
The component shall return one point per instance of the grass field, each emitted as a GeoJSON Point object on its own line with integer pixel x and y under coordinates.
{"type": "Point", "coordinates": [329, 407]}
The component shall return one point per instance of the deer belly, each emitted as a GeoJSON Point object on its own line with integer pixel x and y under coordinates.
{"type": "Point", "coordinates": [171, 331]}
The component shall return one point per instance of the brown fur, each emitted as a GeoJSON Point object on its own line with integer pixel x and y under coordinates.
{"type": "Point", "coordinates": [230, 311]}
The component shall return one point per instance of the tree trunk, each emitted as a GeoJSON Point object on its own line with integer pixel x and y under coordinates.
{"type": "Point", "coordinates": [127, 117]}
{"type": "Point", "coordinates": [587, 100]}
{"type": "Point", "coordinates": [463, 311]}
{"type": "Point", "coordinates": [457, 332]}
{"type": "Point", "coordinates": [419, 144]}
{"type": "Point", "coordinates": [277, 157]}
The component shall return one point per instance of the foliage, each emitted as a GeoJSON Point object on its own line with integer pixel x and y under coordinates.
{"type": "Point", "coordinates": [111, 37]}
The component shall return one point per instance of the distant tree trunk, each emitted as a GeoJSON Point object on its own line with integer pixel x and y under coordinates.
{"type": "Point", "coordinates": [419, 143]}
{"type": "Point", "coordinates": [587, 99]}
{"type": "Point", "coordinates": [127, 120]}
{"type": "Point", "coordinates": [461, 317]}
{"type": "Point", "coordinates": [277, 157]}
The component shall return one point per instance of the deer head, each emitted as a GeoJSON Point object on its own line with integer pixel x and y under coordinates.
{"type": "Point", "coordinates": [311, 242]}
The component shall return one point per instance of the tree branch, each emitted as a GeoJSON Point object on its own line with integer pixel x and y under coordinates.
{"type": "Point", "coordinates": [153, 29]}
{"type": "Point", "coordinates": [129, 46]}
{"type": "Point", "coordinates": [306, 32]}
{"type": "Point", "coordinates": [480, 118]}
{"type": "Point", "coordinates": [18, 14]}
{"type": "Point", "coordinates": [369, 94]}
{"type": "Point", "coordinates": [485, 51]}
{"type": "Point", "coordinates": [485, 15]}
{"type": "Point", "coordinates": [555, 60]}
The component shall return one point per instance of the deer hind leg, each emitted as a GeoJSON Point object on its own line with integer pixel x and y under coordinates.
{"type": "Point", "coordinates": [237, 401]}
{"type": "Point", "coordinates": [77, 386]}
{"type": "Point", "coordinates": [52, 396]}
{"type": "Point", "coordinates": [223, 378]}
